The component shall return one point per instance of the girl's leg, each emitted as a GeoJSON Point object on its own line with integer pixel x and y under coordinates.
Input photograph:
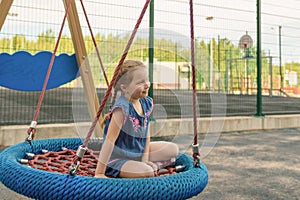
{"type": "Point", "coordinates": [135, 169]}
{"type": "Point", "coordinates": [160, 151]}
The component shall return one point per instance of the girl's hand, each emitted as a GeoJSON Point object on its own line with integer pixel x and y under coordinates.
{"type": "Point", "coordinates": [100, 176]}
{"type": "Point", "coordinates": [151, 164]}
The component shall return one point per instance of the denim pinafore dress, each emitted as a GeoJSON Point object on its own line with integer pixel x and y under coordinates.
{"type": "Point", "coordinates": [131, 142]}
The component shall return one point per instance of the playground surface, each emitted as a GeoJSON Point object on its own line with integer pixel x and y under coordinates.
{"type": "Point", "coordinates": [245, 165]}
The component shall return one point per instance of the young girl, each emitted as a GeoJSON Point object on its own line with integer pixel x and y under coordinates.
{"type": "Point", "coordinates": [127, 151]}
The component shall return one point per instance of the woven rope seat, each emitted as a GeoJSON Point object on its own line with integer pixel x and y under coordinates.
{"type": "Point", "coordinates": [40, 184]}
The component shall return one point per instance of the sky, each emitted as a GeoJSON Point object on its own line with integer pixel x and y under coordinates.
{"type": "Point", "coordinates": [231, 19]}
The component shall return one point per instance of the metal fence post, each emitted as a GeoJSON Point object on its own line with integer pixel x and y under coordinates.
{"type": "Point", "coordinates": [151, 47]}
{"type": "Point", "coordinates": [258, 61]}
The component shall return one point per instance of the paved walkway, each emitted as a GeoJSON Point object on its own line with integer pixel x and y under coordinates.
{"type": "Point", "coordinates": [246, 165]}
{"type": "Point", "coordinates": [255, 165]}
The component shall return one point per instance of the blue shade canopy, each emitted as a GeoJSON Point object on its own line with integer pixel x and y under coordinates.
{"type": "Point", "coordinates": [26, 72]}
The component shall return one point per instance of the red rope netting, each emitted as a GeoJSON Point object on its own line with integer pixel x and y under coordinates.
{"type": "Point", "coordinates": [61, 161]}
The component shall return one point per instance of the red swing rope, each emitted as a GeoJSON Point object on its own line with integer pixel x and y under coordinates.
{"type": "Point", "coordinates": [31, 129]}
{"type": "Point", "coordinates": [95, 44]}
{"type": "Point", "coordinates": [82, 149]}
{"type": "Point", "coordinates": [196, 154]}
{"type": "Point", "coordinates": [115, 75]}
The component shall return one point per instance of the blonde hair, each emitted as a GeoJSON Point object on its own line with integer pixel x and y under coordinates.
{"type": "Point", "coordinates": [124, 77]}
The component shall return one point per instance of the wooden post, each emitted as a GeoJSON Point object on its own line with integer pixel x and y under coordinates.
{"type": "Point", "coordinates": [4, 8]}
{"type": "Point", "coordinates": [83, 63]}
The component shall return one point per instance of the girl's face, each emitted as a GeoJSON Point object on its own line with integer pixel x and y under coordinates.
{"type": "Point", "coordinates": [139, 86]}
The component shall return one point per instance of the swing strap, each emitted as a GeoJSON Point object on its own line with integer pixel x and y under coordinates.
{"type": "Point", "coordinates": [196, 154]}
{"type": "Point", "coordinates": [76, 160]}
{"type": "Point", "coordinates": [31, 129]}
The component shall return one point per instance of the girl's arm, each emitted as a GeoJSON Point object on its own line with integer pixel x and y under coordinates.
{"type": "Point", "coordinates": [109, 142]}
{"type": "Point", "coordinates": [145, 157]}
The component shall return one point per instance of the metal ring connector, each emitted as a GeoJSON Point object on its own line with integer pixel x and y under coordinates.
{"type": "Point", "coordinates": [73, 169]}
{"type": "Point", "coordinates": [33, 124]}
{"type": "Point", "coordinates": [196, 162]}
{"type": "Point", "coordinates": [195, 148]}
{"type": "Point", "coordinates": [29, 137]}
{"type": "Point", "coordinates": [196, 155]}
{"type": "Point", "coordinates": [81, 151]}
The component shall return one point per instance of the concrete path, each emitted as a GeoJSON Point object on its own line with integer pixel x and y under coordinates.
{"type": "Point", "coordinates": [255, 165]}
{"type": "Point", "coordinates": [246, 165]}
